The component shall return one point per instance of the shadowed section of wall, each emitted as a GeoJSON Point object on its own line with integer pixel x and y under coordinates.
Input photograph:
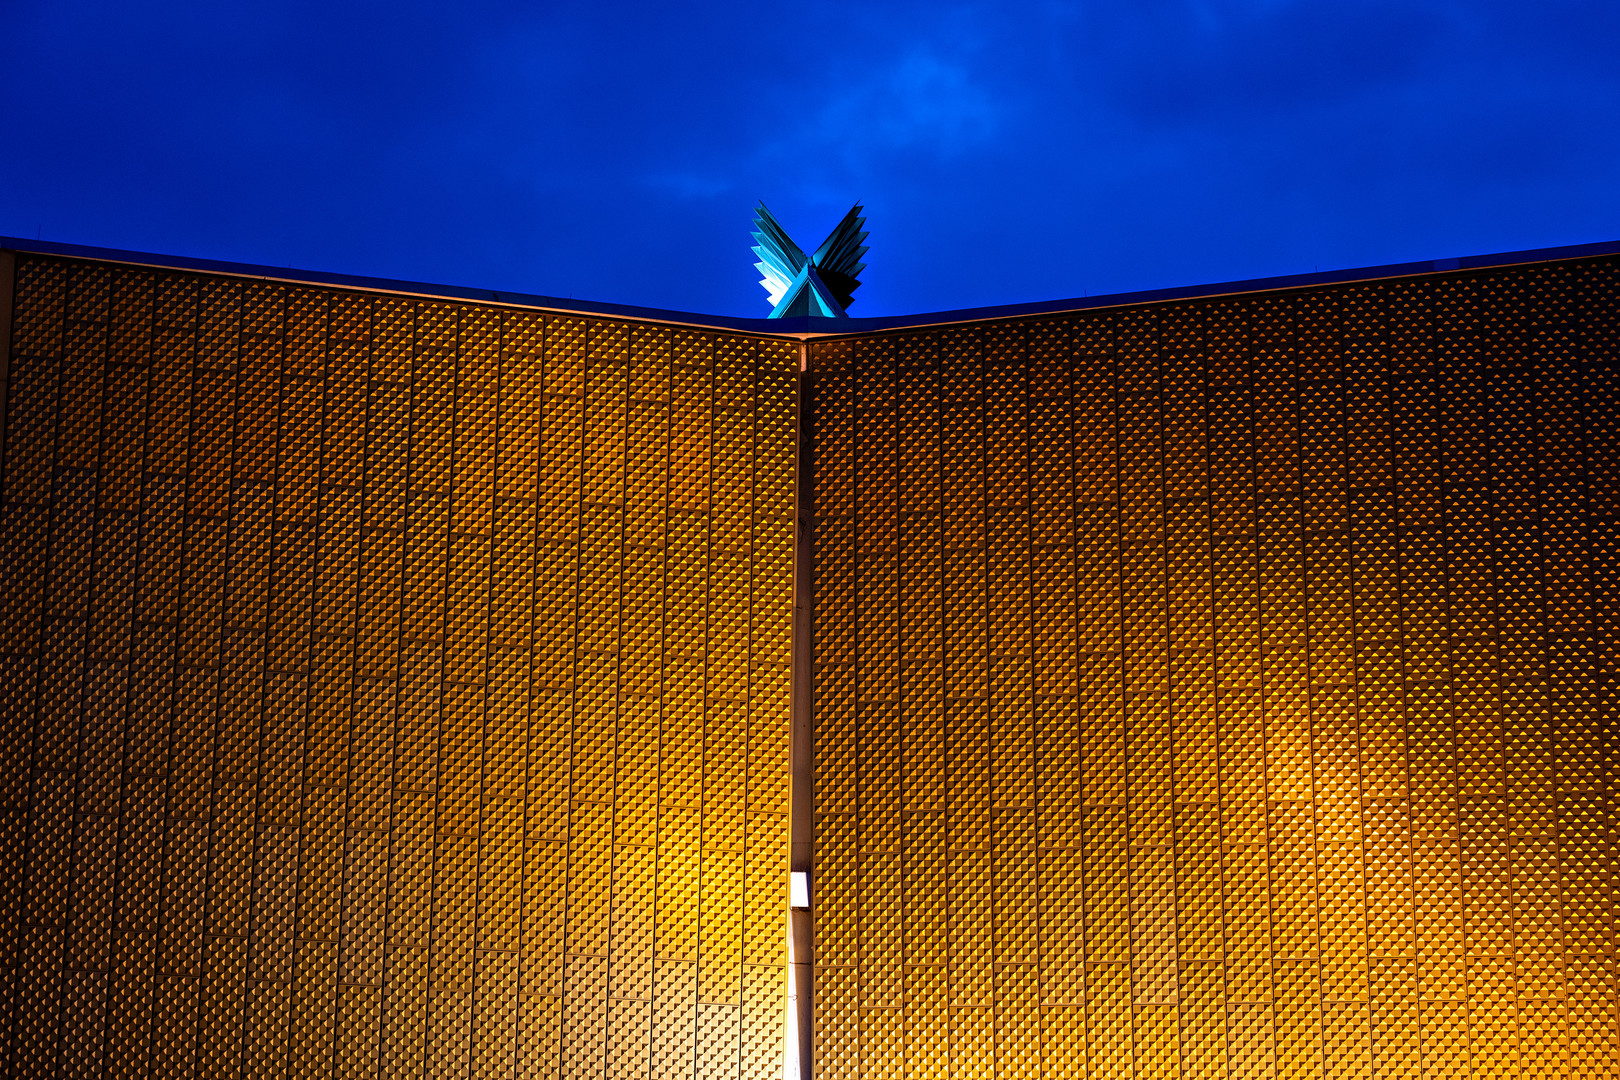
{"type": "Point", "coordinates": [1223, 687]}
{"type": "Point", "coordinates": [391, 687]}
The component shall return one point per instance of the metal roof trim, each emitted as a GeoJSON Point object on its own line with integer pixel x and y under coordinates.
{"type": "Point", "coordinates": [809, 326]}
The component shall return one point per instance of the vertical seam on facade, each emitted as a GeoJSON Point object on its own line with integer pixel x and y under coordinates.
{"type": "Point", "coordinates": [621, 481]}
{"type": "Point", "coordinates": [801, 735]}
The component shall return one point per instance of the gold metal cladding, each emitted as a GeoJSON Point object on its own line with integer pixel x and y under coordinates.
{"type": "Point", "coordinates": [1221, 688]}
{"type": "Point", "coordinates": [393, 687]}
{"type": "Point", "coordinates": [405, 687]}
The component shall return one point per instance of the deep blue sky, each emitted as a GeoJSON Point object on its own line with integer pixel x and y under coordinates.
{"type": "Point", "coordinates": [1005, 152]}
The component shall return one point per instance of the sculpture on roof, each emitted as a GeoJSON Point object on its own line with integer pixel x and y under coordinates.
{"type": "Point", "coordinates": [820, 284]}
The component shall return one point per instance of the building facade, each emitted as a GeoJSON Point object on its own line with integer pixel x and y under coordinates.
{"type": "Point", "coordinates": [410, 681]}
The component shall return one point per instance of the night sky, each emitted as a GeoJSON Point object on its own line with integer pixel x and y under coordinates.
{"type": "Point", "coordinates": [1005, 152]}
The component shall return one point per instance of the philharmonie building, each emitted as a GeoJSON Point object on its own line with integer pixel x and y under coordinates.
{"type": "Point", "coordinates": [403, 680]}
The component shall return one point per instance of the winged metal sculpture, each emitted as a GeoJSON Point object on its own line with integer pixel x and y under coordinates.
{"type": "Point", "coordinates": [820, 284]}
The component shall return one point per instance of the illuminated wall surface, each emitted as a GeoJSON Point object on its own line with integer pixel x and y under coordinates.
{"type": "Point", "coordinates": [396, 686]}
{"type": "Point", "coordinates": [391, 687]}
{"type": "Point", "coordinates": [1223, 688]}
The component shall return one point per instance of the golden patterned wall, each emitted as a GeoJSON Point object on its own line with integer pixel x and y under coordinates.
{"type": "Point", "coordinates": [1223, 688]}
{"type": "Point", "coordinates": [392, 687]}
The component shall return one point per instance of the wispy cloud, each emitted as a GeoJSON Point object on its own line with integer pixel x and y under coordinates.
{"type": "Point", "coordinates": [819, 136]}
{"type": "Point", "coordinates": [918, 101]}
{"type": "Point", "coordinates": [1152, 142]}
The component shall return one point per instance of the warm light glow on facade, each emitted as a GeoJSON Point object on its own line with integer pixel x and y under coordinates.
{"type": "Point", "coordinates": [400, 685]}
{"type": "Point", "coordinates": [1215, 688]}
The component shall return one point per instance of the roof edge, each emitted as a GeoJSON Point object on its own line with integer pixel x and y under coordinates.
{"type": "Point", "coordinates": [1233, 288]}
{"type": "Point", "coordinates": [810, 326]}
{"type": "Point", "coordinates": [426, 290]}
